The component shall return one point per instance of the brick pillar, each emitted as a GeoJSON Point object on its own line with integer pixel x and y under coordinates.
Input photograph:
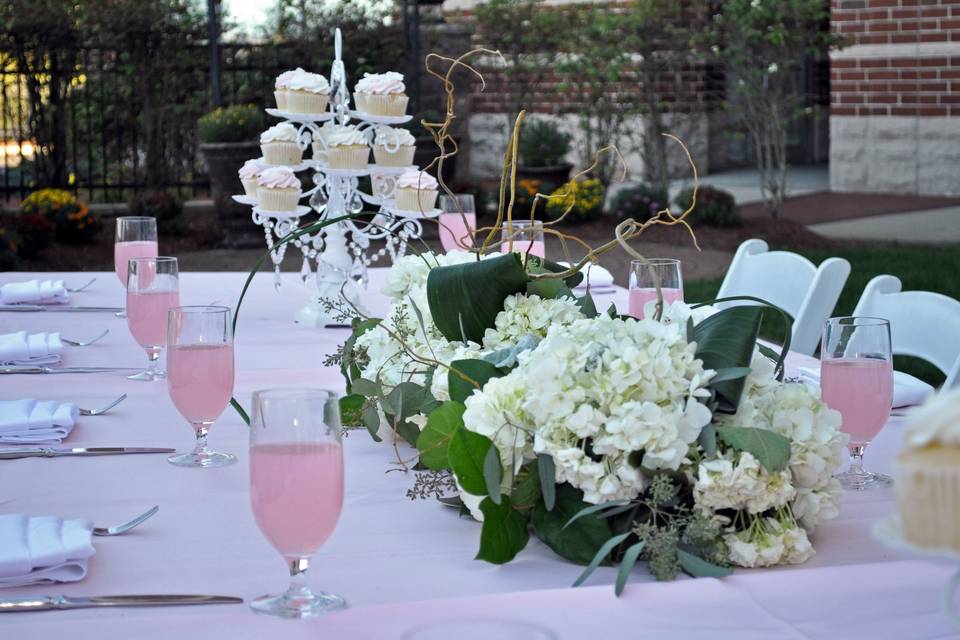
{"type": "Point", "coordinates": [895, 97]}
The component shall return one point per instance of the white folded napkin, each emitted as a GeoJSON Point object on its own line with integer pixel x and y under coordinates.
{"type": "Point", "coordinates": [599, 278]}
{"type": "Point", "coordinates": [907, 390]}
{"type": "Point", "coordinates": [44, 549]}
{"type": "Point", "coordinates": [34, 422]}
{"type": "Point", "coordinates": [34, 292]}
{"type": "Point", "coordinates": [30, 348]}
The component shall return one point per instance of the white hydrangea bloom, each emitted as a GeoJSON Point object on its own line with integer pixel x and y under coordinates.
{"type": "Point", "coordinates": [525, 315]}
{"type": "Point", "coordinates": [767, 542]}
{"type": "Point", "coordinates": [812, 507]}
{"type": "Point", "coordinates": [740, 483]}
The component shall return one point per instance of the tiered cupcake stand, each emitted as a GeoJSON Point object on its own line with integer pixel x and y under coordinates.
{"type": "Point", "coordinates": [341, 251]}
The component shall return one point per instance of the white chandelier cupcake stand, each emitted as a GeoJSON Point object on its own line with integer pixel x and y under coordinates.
{"type": "Point", "coordinates": [340, 251]}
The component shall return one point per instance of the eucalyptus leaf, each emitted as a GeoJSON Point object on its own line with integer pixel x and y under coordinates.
{"type": "Point", "coordinates": [434, 440]}
{"type": "Point", "coordinates": [612, 311]}
{"type": "Point", "coordinates": [466, 452]}
{"type": "Point", "coordinates": [504, 533]}
{"type": "Point", "coordinates": [700, 568]}
{"type": "Point", "coordinates": [478, 372]}
{"type": "Point", "coordinates": [526, 487]}
{"type": "Point", "coordinates": [371, 420]}
{"type": "Point", "coordinates": [405, 400]}
{"type": "Point", "coordinates": [546, 469]}
{"type": "Point", "coordinates": [600, 556]}
{"type": "Point", "coordinates": [595, 508]}
{"type": "Point", "coordinates": [726, 339]}
{"type": "Point", "coordinates": [626, 565]}
{"type": "Point", "coordinates": [730, 373]}
{"type": "Point", "coordinates": [771, 449]}
{"type": "Point", "coordinates": [365, 387]}
{"type": "Point", "coordinates": [506, 358]}
{"type": "Point", "coordinates": [577, 542]}
{"type": "Point", "coordinates": [351, 409]}
{"type": "Point", "coordinates": [708, 440]}
{"type": "Point", "coordinates": [492, 474]}
{"type": "Point", "coordinates": [465, 298]}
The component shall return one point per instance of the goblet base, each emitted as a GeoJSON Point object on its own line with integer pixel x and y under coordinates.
{"type": "Point", "coordinates": [206, 460]}
{"type": "Point", "coordinates": [301, 605]}
{"type": "Point", "coordinates": [148, 376]}
{"type": "Point", "coordinates": [863, 481]}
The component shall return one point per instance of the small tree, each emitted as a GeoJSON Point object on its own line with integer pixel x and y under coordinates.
{"type": "Point", "coordinates": [763, 45]}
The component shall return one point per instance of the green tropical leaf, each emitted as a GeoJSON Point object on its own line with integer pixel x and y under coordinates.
{"type": "Point", "coordinates": [601, 556]}
{"type": "Point", "coordinates": [626, 565]}
{"type": "Point", "coordinates": [492, 473]}
{"type": "Point", "coordinates": [526, 487]}
{"type": "Point", "coordinates": [478, 371]}
{"type": "Point", "coordinates": [434, 440]}
{"type": "Point", "coordinates": [771, 450]}
{"type": "Point", "coordinates": [466, 298]}
{"type": "Point", "coordinates": [700, 568]}
{"type": "Point", "coordinates": [504, 533]}
{"type": "Point", "coordinates": [587, 306]}
{"type": "Point", "coordinates": [577, 542]}
{"type": "Point", "coordinates": [549, 288]}
{"type": "Point", "coordinates": [547, 471]}
{"type": "Point", "coordinates": [467, 451]}
{"type": "Point", "coordinates": [726, 339]}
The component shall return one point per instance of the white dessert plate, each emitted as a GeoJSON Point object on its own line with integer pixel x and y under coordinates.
{"type": "Point", "coordinates": [889, 533]}
{"type": "Point", "coordinates": [369, 117]}
{"type": "Point", "coordinates": [301, 210]}
{"type": "Point", "coordinates": [300, 117]}
{"type": "Point", "coordinates": [403, 213]}
{"type": "Point", "coordinates": [340, 173]}
{"type": "Point", "coordinates": [383, 169]}
{"type": "Point", "coordinates": [303, 166]}
{"type": "Point", "coordinates": [244, 199]}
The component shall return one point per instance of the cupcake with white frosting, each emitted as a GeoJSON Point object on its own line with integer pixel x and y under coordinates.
{"type": "Point", "coordinates": [278, 189]}
{"type": "Point", "coordinates": [280, 145]}
{"type": "Point", "coordinates": [280, 86]}
{"type": "Point", "coordinates": [381, 94]}
{"type": "Point", "coordinates": [346, 147]}
{"type": "Point", "coordinates": [927, 474]}
{"type": "Point", "coordinates": [393, 147]}
{"type": "Point", "coordinates": [306, 92]}
{"type": "Point", "coordinates": [416, 191]}
{"type": "Point", "coordinates": [248, 175]}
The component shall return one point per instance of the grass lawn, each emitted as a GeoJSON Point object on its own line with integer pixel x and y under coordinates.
{"type": "Point", "coordinates": [924, 268]}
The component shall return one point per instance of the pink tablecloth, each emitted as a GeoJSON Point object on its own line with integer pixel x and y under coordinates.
{"type": "Point", "coordinates": [399, 563]}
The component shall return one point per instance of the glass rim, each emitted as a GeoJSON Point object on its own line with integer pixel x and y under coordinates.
{"type": "Point", "coordinates": [657, 262]}
{"type": "Point", "coordinates": [521, 223]}
{"type": "Point", "coordinates": [857, 321]}
{"type": "Point", "coordinates": [152, 259]}
{"type": "Point", "coordinates": [294, 391]}
{"type": "Point", "coordinates": [200, 308]}
{"type": "Point", "coordinates": [136, 218]}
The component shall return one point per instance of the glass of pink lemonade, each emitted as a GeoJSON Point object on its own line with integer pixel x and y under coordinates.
{"type": "Point", "coordinates": [644, 277]}
{"type": "Point", "coordinates": [523, 235]}
{"type": "Point", "coordinates": [296, 488]}
{"type": "Point", "coordinates": [856, 379]}
{"type": "Point", "coordinates": [152, 289]}
{"type": "Point", "coordinates": [200, 375]}
{"type": "Point", "coordinates": [458, 222]}
{"type": "Point", "coordinates": [136, 238]}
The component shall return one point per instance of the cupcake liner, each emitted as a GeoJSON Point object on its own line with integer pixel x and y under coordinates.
{"type": "Point", "coordinates": [402, 157]}
{"type": "Point", "coordinates": [319, 152]}
{"type": "Point", "coordinates": [416, 199]}
{"type": "Point", "coordinates": [353, 156]}
{"type": "Point", "coordinates": [282, 153]}
{"type": "Point", "coordinates": [360, 102]}
{"type": "Point", "coordinates": [281, 97]}
{"type": "Point", "coordinates": [278, 199]}
{"type": "Point", "coordinates": [306, 102]}
{"type": "Point", "coordinates": [250, 187]}
{"type": "Point", "coordinates": [393, 104]}
{"type": "Point", "coordinates": [928, 499]}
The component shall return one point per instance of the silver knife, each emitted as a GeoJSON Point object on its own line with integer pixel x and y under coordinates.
{"type": "Point", "coordinates": [32, 368]}
{"type": "Point", "coordinates": [40, 307]}
{"type": "Point", "coordinates": [58, 452]}
{"type": "Point", "coordinates": [45, 603]}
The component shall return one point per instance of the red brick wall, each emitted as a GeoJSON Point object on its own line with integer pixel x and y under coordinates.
{"type": "Point", "coordinates": [904, 84]}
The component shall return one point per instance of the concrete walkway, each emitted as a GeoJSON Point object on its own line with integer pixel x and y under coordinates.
{"type": "Point", "coordinates": [744, 184]}
{"type": "Point", "coordinates": [936, 226]}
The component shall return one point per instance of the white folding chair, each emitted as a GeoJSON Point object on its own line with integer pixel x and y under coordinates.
{"type": "Point", "coordinates": [923, 324]}
{"type": "Point", "coordinates": [790, 281]}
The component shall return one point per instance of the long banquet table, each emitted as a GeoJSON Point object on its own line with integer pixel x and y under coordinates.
{"type": "Point", "coordinates": [400, 563]}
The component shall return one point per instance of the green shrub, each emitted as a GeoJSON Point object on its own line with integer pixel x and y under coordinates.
{"type": "Point", "coordinates": [714, 208]}
{"type": "Point", "coordinates": [8, 249]}
{"type": "Point", "coordinates": [74, 222]}
{"type": "Point", "coordinates": [239, 123]}
{"type": "Point", "coordinates": [162, 205]}
{"type": "Point", "coordinates": [542, 144]}
{"type": "Point", "coordinates": [639, 201]}
{"type": "Point", "coordinates": [586, 197]}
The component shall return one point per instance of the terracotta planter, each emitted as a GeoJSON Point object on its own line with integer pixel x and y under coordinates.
{"type": "Point", "coordinates": [223, 160]}
{"type": "Point", "coordinates": [552, 176]}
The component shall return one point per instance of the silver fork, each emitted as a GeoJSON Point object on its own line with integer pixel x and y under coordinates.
{"type": "Point", "coordinates": [126, 526]}
{"type": "Point", "coordinates": [102, 410]}
{"type": "Point", "coordinates": [75, 343]}
{"type": "Point", "coordinates": [79, 289]}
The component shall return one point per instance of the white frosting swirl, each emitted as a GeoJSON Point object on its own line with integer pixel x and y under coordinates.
{"type": "Point", "coordinates": [937, 421]}
{"type": "Point", "coordinates": [416, 180]}
{"type": "Point", "coordinates": [252, 168]}
{"type": "Point", "coordinates": [341, 135]}
{"type": "Point", "coordinates": [284, 78]}
{"type": "Point", "coordinates": [302, 80]}
{"type": "Point", "coordinates": [382, 83]}
{"type": "Point", "coordinates": [389, 136]}
{"type": "Point", "coordinates": [283, 132]}
{"type": "Point", "coordinates": [278, 178]}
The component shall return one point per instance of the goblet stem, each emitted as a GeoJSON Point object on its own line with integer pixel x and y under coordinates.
{"type": "Point", "coordinates": [298, 589]}
{"type": "Point", "coordinates": [201, 430]}
{"type": "Point", "coordinates": [856, 459]}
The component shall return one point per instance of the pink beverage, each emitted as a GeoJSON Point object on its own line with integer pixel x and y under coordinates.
{"type": "Point", "coordinates": [640, 297]}
{"type": "Point", "coordinates": [296, 490]}
{"type": "Point", "coordinates": [861, 389]}
{"type": "Point", "coordinates": [537, 247]}
{"type": "Point", "coordinates": [453, 233]}
{"type": "Point", "coordinates": [147, 316]}
{"type": "Point", "coordinates": [123, 251]}
{"type": "Point", "coordinates": [200, 380]}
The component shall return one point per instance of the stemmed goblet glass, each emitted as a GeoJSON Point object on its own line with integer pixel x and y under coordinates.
{"type": "Point", "coordinates": [458, 221]}
{"type": "Point", "coordinates": [296, 488]}
{"type": "Point", "coordinates": [153, 287]}
{"type": "Point", "coordinates": [643, 287]}
{"type": "Point", "coordinates": [521, 236]}
{"type": "Point", "coordinates": [136, 237]}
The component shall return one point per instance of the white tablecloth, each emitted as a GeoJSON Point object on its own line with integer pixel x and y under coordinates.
{"type": "Point", "coordinates": [398, 562]}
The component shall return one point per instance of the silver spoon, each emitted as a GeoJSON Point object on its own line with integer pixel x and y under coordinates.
{"type": "Point", "coordinates": [126, 526]}
{"type": "Point", "coordinates": [79, 289]}
{"type": "Point", "coordinates": [74, 343]}
{"type": "Point", "coordinates": [102, 410]}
